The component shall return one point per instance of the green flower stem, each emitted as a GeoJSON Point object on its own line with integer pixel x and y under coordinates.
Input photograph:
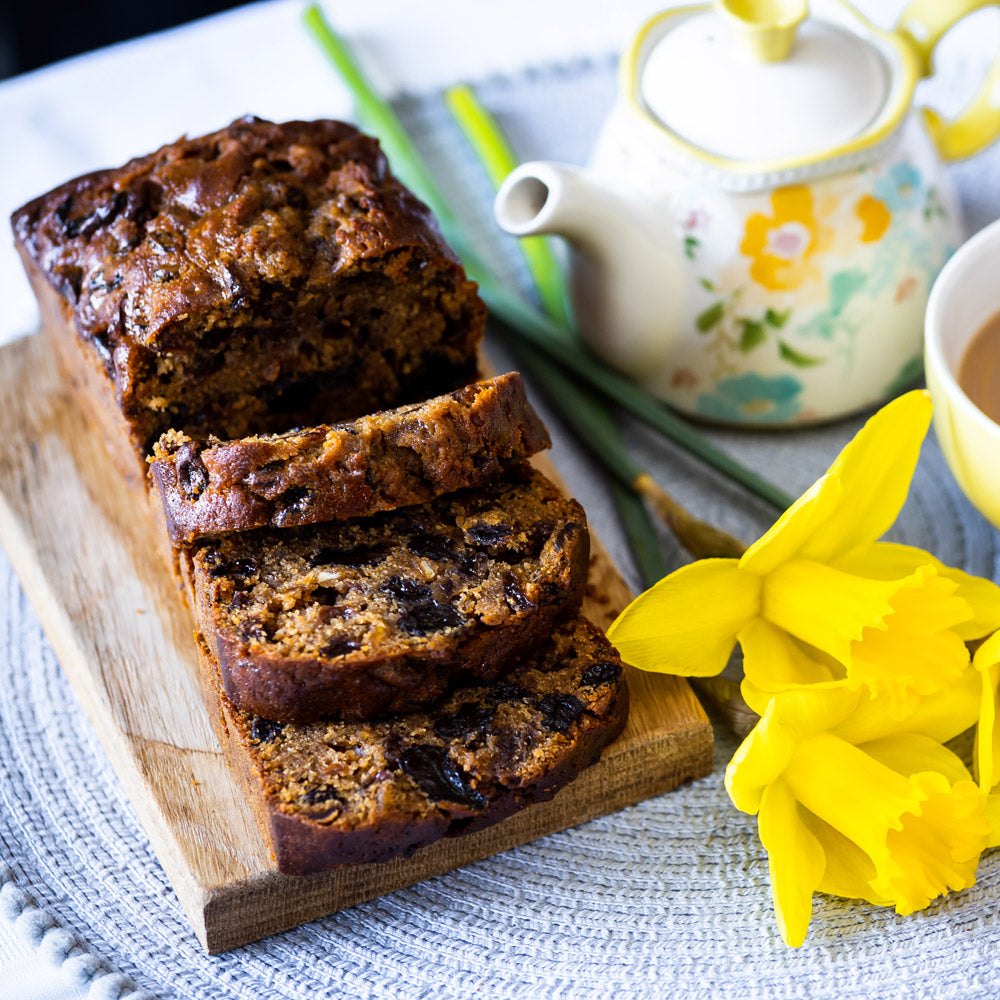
{"type": "Point", "coordinates": [524, 322]}
{"type": "Point", "coordinates": [495, 154]}
{"type": "Point", "coordinates": [640, 532]}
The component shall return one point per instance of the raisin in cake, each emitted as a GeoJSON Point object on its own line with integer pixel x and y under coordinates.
{"type": "Point", "coordinates": [328, 794]}
{"type": "Point", "coordinates": [358, 618]}
{"type": "Point", "coordinates": [387, 460]}
{"type": "Point", "coordinates": [260, 278]}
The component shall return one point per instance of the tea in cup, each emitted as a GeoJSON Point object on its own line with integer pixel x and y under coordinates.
{"type": "Point", "coordinates": [962, 360]}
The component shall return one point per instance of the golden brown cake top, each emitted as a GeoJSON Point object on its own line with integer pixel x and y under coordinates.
{"type": "Point", "coordinates": [209, 231]}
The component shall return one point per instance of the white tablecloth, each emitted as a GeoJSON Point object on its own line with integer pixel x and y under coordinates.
{"type": "Point", "coordinates": [672, 888]}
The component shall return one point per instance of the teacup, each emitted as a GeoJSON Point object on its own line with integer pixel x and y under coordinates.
{"type": "Point", "coordinates": [965, 295]}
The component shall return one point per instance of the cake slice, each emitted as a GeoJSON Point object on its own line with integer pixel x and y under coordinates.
{"type": "Point", "coordinates": [384, 461]}
{"type": "Point", "coordinates": [263, 277]}
{"type": "Point", "coordinates": [358, 618]}
{"type": "Point", "coordinates": [328, 794]}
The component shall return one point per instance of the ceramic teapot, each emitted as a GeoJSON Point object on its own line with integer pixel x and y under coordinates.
{"type": "Point", "coordinates": [765, 212]}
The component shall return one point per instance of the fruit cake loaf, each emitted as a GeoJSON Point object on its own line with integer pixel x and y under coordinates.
{"type": "Point", "coordinates": [354, 619]}
{"type": "Point", "coordinates": [259, 278]}
{"type": "Point", "coordinates": [328, 794]}
{"type": "Point", "coordinates": [391, 459]}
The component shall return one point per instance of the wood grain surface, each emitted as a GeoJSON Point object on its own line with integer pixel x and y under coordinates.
{"type": "Point", "coordinates": [87, 559]}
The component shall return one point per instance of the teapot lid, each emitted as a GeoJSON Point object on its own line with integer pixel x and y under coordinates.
{"type": "Point", "coordinates": [754, 86]}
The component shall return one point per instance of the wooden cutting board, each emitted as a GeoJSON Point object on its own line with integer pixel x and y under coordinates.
{"type": "Point", "coordinates": [86, 559]}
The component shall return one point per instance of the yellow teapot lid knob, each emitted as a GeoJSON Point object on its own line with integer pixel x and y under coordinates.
{"type": "Point", "coordinates": [766, 27]}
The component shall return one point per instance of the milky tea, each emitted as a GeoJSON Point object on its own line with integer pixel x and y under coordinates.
{"type": "Point", "coordinates": [979, 369]}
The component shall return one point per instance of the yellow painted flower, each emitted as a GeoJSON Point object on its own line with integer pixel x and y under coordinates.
{"type": "Point", "coordinates": [855, 802]}
{"type": "Point", "coordinates": [818, 598]}
{"type": "Point", "coordinates": [783, 245]}
{"type": "Point", "coordinates": [875, 218]}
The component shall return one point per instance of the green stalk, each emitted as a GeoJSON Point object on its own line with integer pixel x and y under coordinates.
{"type": "Point", "coordinates": [640, 532]}
{"type": "Point", "coordinates": [525, 322]}
{"type": "Point", "coordinates": [495, 154]}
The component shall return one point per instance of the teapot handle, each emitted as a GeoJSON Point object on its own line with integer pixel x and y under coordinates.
{"type": "Point", "coordinates": [922, 24]}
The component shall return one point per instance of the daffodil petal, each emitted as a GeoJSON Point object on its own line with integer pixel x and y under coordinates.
{"type": "Point", "coordinates": [891, 561]}
{"type": "Point", "coordinates": [795, 858]}
{"type": "Point", "coordinates": [988, 732]}
{"type": "Point", "coordinates": [923, 834]}
{"type": "Point", "coordinates": [773, 660]}
{"type": "Point", "coordinates": [936, 847]}
{"type": "Point", "coordinates": [884, 560]}
{"type": "Point", "coordinates": [987, 664]}
{"type": "Point", "coordinates": [758, 761]}
{"type": "Point", "coordinates": [893, 636]}
{"type": "Point", "coordinates": [846, 787]}
{"type": "Point", "coordinates": [993, 819]}
{"type": "Point", "coordinates": [809, 708]}
{"type": "Point", "coordinates": [849, 871]}
{"type": "Point", "coordinates": [875, 468]}
{"type": "Point", "coordinates": [687, 623]}
{"type": "Point", "coordinates": [914, 650]}
{"type": "Point", "coordinates": [910, 753]}
{"type": "Point", "coordinates": [983, 598]}
{"type": "Point", "coordinates": [792, 532]}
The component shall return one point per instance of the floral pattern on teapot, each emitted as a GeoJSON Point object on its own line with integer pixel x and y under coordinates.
{"type": "Point", "coordinates": [856, 242]}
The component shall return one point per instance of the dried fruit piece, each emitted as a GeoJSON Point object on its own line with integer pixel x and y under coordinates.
{"type": "Point", "coordinates": [560, 711]}
{"type": "Point", "coordinates": [439, 779]}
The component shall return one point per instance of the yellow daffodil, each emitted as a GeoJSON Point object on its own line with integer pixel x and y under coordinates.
{"type": "Point", "coordinates": [855, 659]}
{"type": "Point", "coordinates": [889, 618]}
{"type": "Point", "coordinates": [987, 663]}
{"type": "Point", "coordinates": [855, 802]}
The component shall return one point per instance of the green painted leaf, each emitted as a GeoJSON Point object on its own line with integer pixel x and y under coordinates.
{"type": "Point", "coordinates": [706, 284]}
{"type": "Point", "coordinates": [797, 358]}
{"type": "Point", "coordinates": [752, 333]}
{"type": "Point", "coordinates": [691, 244]}
{"type": "Point", "coordinates": [843, 286]}
{"type": "Point", "coordinates": [777, 319]}
{"type": "Point", "coordinates": [707, 319]}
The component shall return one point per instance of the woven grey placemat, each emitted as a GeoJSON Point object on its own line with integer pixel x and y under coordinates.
{"type": "Point", "coordinates": [669, 898]}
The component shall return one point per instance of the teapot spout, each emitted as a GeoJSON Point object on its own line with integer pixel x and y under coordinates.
{"type": "Point", "coordinates": [626, 268]}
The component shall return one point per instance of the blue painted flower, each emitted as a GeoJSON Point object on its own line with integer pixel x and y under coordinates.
{"type": "Point", "coordinates": [753, 398]}
{"type": "Point", "coordinates": [902, 188]}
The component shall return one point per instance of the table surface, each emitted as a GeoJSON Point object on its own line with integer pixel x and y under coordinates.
{"type": "Point", "coordinates": [666, 898]}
